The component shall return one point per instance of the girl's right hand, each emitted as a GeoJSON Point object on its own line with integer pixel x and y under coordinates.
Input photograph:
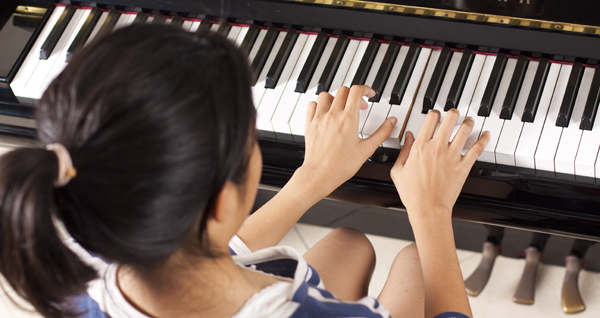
{"type": "Point", "coordinates": [430, 171]}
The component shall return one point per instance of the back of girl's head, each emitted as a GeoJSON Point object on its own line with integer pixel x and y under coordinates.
{"type": "Point", "coordinates": [156, 120]}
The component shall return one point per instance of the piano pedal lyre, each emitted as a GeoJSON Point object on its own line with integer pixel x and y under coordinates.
{"type": "Point", "coordinates": [491, 248]}
{"type": "Point", "coordinates": [533, 257]}
{"type": "Point", "coordinates": [571, 298]}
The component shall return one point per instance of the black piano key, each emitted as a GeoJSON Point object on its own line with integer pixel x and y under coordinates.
{"type": "Point", "coordinates": [591, 105]}
{"type": "Point", "coordinates": [311, 63]}
{"type": "Point", "coordinates": [109, 23]}
{"type": "Point", "coordinates": [566, 108]}
{"type": "Point", "coordinates": [177, 21]}
{"type": "Point", "coordinates": [492, 86]}
{"type": "Point", "coordinates": [224, 28]}
{"type": "Point", "coordinates": [84, 32]}
{"type": "Point", "coordinates": [56, 32]}
{"type": "Point", "coordinates": [281, 59]}
{"type": "Point", "coordinates": [533, 100]}
{"type": "Point", "coordinates": [141, 17]}
{"type": "Point", "coordinates": [263, 52]}
{"type": "Point", "coordinates": [332, 64]}
{"type": "Point", "coordinates": [249, 39]}
{"type": "Point", "coordinates": [464, 67]}
{"type": "Point", "coordinates": [205, 25]}
{"type": "Point", "coordinates": [159, 18]}
{"type": "Point", "coordinates": [405, 73]}
{"type": "Point", "coordinates": [384, 71]}
{"type": "Point", "coordinates": [365, 64]}
{"type": "Point", "coordinates": [439, 72]}
{"type": "Point", "coordinates": [508, 107]}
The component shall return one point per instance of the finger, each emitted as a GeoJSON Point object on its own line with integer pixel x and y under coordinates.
{"type": "Point", "coordinates": [428, 128]}
{"type": "Point", "coordinates": [323, 103]}
{"type": "Point", "coordinates": [355, 98]}
{"type": "Point", "coordinates": [463, 134]}
{"type": "Point", "coordinates": [310, 112]}
{"type": "Point", "coordinates": [445, 132]}
{"type": "Point", "coordinates": [340, 99]}
{"type": "Point", "coordinates": [381, 134]}
{"type": "Point", "coordinates": [473, 153]}
{"type": "Point", "coordinates": [409, 140]}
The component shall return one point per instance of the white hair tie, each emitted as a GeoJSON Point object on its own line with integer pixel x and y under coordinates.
{"type": "Point", "coordinates": [66, 171]}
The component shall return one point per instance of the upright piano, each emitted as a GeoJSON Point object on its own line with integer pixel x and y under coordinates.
{"type": "Point", "coordinates": [523, 69]}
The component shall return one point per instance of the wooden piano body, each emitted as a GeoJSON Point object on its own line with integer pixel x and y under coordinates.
{"type": "Point", "coordinates": [562, 32]}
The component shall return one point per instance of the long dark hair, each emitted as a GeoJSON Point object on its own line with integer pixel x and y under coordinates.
{"type": "Point", "coordinates": [156, 121]}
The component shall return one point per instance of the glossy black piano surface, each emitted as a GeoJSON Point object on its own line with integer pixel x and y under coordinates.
{"type": "Point", "coordinates": [542, 203]}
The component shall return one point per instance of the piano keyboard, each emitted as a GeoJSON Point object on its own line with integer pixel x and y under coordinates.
{"type": "Point", "coordinates": [541, 112]}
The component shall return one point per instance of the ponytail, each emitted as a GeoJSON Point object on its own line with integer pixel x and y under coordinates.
{"type": "Point", "coordinates": [33, 259]}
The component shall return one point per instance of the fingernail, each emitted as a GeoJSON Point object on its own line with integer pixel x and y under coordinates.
{"type": "Point", "coordinates": [487, 133]}
{"type": "Point", "coordinates": [394, 120]}
{"type": "Point", "coordinates": [469, 117]}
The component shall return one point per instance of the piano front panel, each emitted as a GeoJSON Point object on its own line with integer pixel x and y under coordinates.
{"type": "Point", "coordinates": [537, 173]}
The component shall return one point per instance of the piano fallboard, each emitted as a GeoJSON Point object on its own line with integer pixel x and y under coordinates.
{"type": "Point", "coordinates": [512, 200]}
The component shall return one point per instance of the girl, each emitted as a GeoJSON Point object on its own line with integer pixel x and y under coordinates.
{"type": "Point", "coordinates": [150, 165]}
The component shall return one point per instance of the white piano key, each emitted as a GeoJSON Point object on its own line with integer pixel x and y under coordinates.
{"type": "Point", "coordinates": [186, 25]}
{"type": "Point", "coordinates": [401, 111]}
{"type": "Point", "coordinates": [564, 162]}
{"type": "Point", "coordinates": [440, 102]}
{"type": "Point", "coordinates": [494, 123]}
{"type": "Point", "coordinates": [379, 111]}
{"type": "Point", "coordinates": [588, 151]}
{"type": "Point", "coordinates": [80, 15]}
{"type": "Point", "coordinates": [214, 27]}
{"type": "Point", "coordinates": [298, 119]}
{"type": "Point", "coordinates": [259, 39]}
{"type": "Point", "coordinates": [193, 27]}
{"type": "Point", "coordinates": [263, 116]}
{"type": "Point", "coordinates": [360, 52]}
{"type": "Point", "coordinates": [364, 113]}
{"type": "Point", "coordinates": [509, 137]}
{"type": "Point", "coordinates": [122, 21]}
{"type": "Point", "coordinates": [258, 90]}
{"type": "Point", "coordinates": [33, 57]}
{"type": "Point", "coordinates": [344, 66]}
{"type": "Point", "coordinates": [416, 118]}
{"type": "Point", "coordinates": [469, 90]}
{"type": "Point", "coordinates": [241, 35]}
{"type": "Point", "coordinates": [546, 150]}
{"type": "Point", "coordinates": [273, 106]}
{"type": "Point", "coordinates": [131, 18]}
{"type": "Point", "coordinates": [531, 134]}
{"type": "Point", "coordinates": [97, 27]}
{"type": "Point", "coordinates": [289, 98]}
{"type": "Point", "coordinates": [233, 33]}
{"type": "Point", "coordinates": [478, 121]}
{"type": "Point", "coordinates": [35, 86]}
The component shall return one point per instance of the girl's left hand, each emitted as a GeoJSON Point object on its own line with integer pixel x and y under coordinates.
{"type": "Point", "coordinates": [334, 150]}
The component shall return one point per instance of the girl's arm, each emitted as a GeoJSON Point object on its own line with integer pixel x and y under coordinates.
{"type": "Point", "coordinates": [334, 153]}
{"type": "Point", "coordinates": [429, 174]}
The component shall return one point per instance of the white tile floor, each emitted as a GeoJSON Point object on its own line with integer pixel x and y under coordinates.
{"type": "Point", "coordinates": [494, 301]}
{"type": "Point", "coordinates": [496, 298]}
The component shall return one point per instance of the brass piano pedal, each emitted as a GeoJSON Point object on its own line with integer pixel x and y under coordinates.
{"type": "Point", "coordinates": [571, 299]}
{"type": "Point", "coordinates": [480, 276]}
{"type": "Point", "coordinates": [526, 289]}
{"type": "Point", "coordinates": [533, 256]}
